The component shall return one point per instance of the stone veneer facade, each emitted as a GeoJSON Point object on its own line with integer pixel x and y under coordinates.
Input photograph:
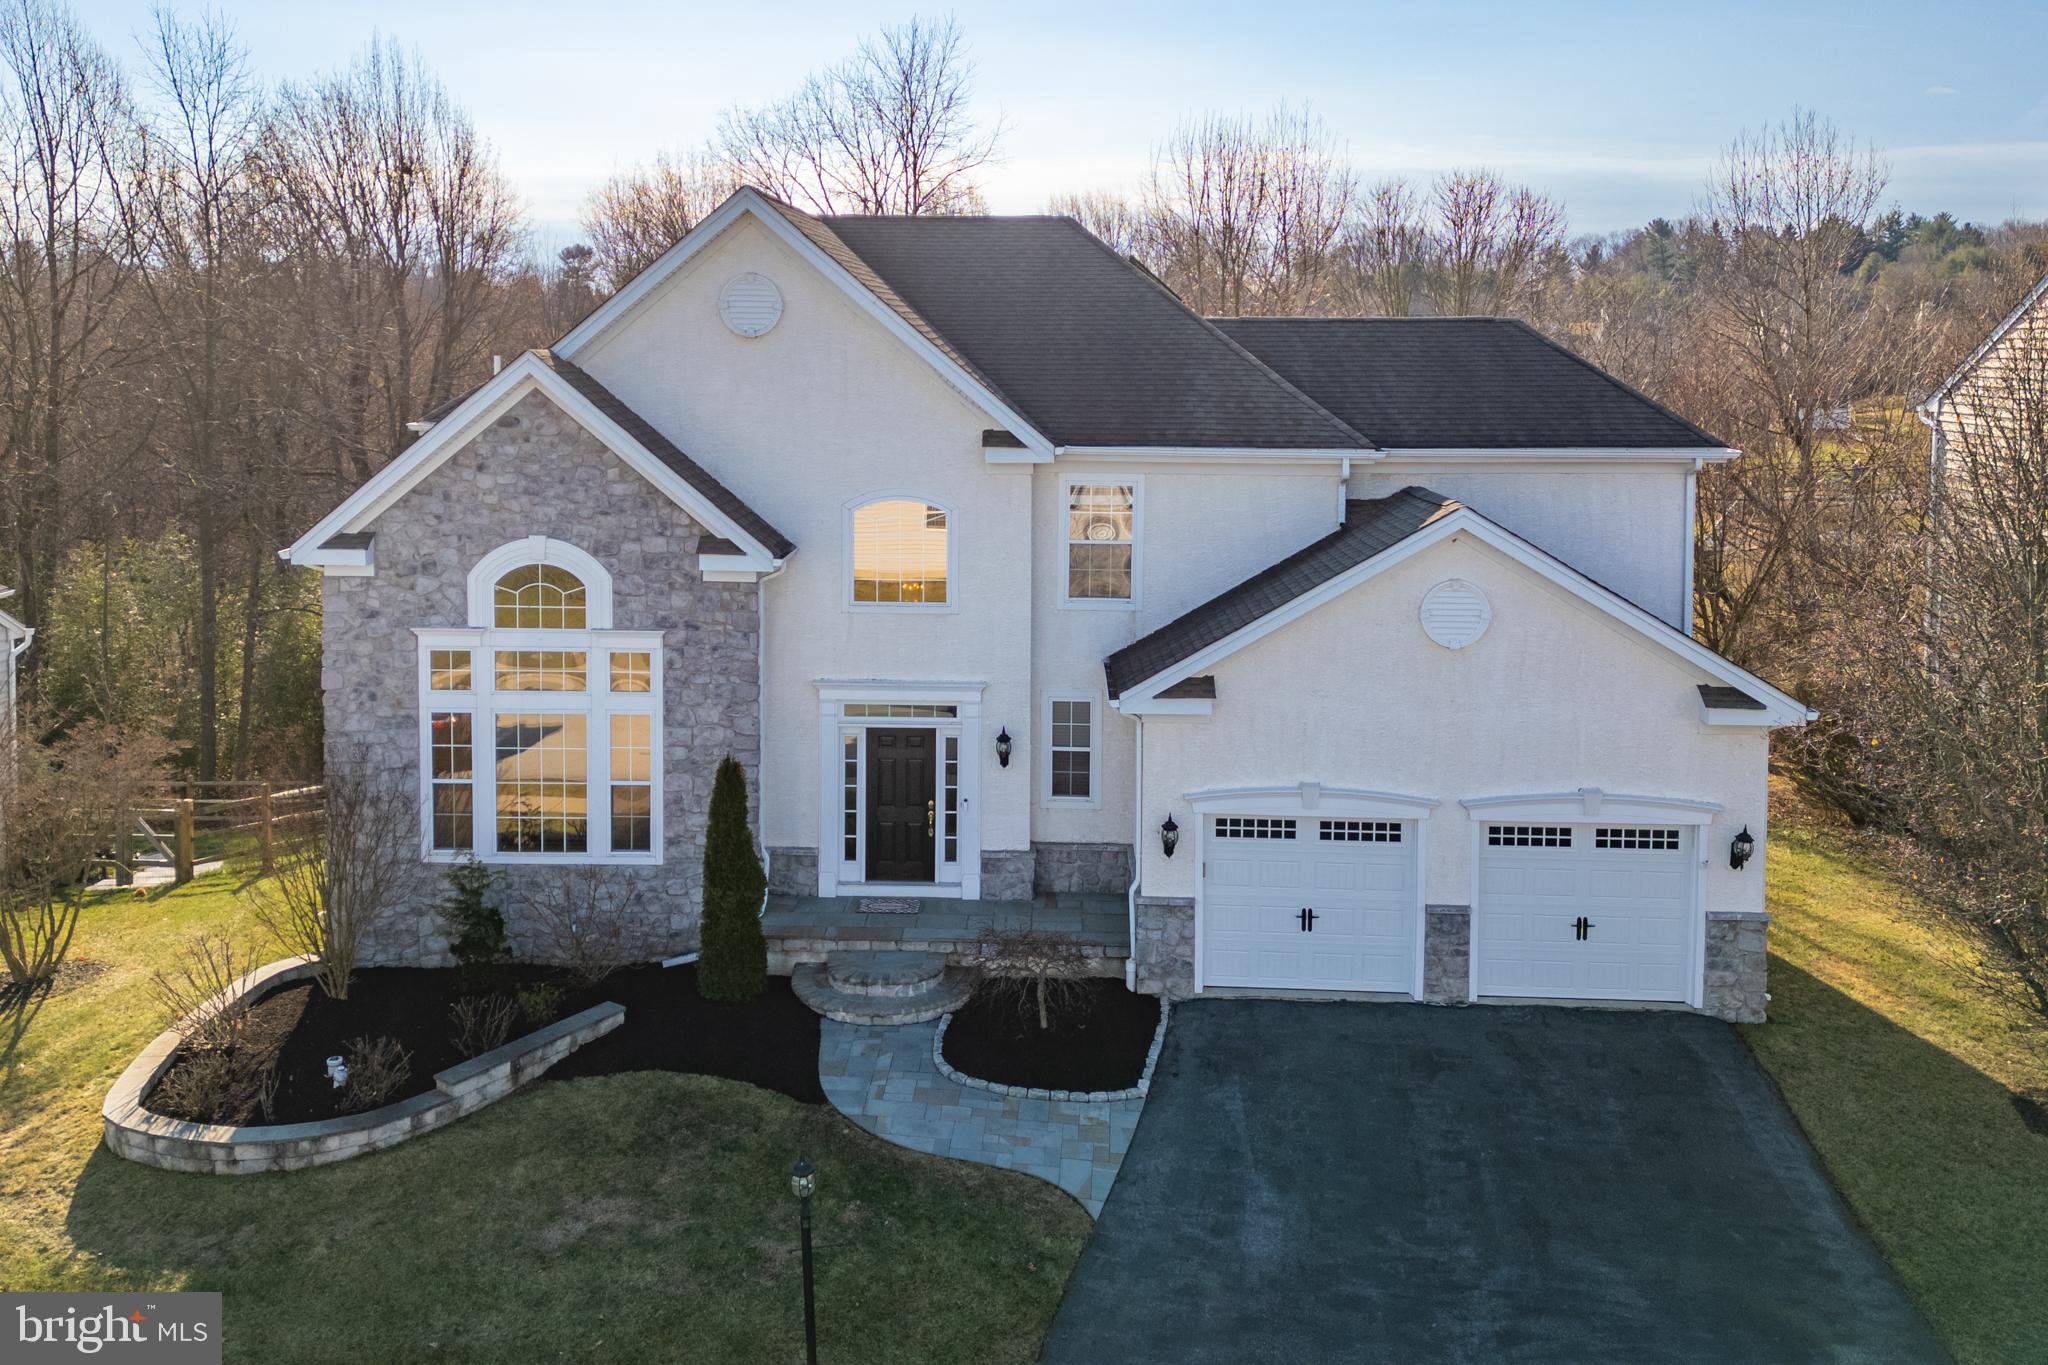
{"type": "Point", "coordinates": [1165, 948]}
{"type": "Point", "coordinates": [1738, 966]}
{"type": "Point", "coordinates": [1447, 954]}
{"type": "Point", "coordinates": [1084, 869]}
{"type": "Point", "coordinates": [537, 472]}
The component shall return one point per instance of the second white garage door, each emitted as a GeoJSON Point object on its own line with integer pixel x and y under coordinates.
{"type": "Point", "coordinates": [1309, 904]}
{"type": "Point", "coordinates": [1585, 912]}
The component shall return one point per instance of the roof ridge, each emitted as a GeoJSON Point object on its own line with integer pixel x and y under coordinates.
{"type": "Point", "coordinates": [1274, 376]}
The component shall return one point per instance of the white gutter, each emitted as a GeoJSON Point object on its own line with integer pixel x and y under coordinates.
{"type": "Point", "coordinates": [1137, 863]}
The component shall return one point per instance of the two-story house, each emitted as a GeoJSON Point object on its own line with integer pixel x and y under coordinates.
{"type": "Point", "coordinates": [1348, 655]}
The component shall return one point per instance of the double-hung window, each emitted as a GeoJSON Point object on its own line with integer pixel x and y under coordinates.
{"type": "Point", "coordinates": [1073, 750]}
{"type": "Point", "coordinates": [541, 729]}
{"type": "Point", "coordinates": [1102, 542]}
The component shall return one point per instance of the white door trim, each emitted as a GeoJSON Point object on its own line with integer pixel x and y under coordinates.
{"type": "Point", "coordinates": [1307, 800]}
{"type": "Point", "coordinates": [833, 723]}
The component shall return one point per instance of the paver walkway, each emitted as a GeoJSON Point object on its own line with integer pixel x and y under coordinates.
{"type": "Point", "coordinates": [885, 1081]}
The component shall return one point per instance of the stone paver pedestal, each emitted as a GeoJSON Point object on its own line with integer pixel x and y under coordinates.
{"type": "Point", "coordinates": [884, 1079]}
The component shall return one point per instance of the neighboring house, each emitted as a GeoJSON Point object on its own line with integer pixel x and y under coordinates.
{"type": "Point", "coordinates": [1996, 397]}
{"type": "Point", "coordinates": [15, 638]}
{"type": "Point", "coordinates": [995, 566]}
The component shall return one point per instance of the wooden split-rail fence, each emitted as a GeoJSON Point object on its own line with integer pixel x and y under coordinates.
{"type": "Point", "coordinates": [167, 824]}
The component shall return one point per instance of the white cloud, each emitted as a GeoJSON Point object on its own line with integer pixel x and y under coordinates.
{"type": "Point", "coordinates": [1940, 90]}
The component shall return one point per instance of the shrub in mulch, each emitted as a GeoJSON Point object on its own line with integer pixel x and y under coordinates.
{"type": "Point", "coordinates": [1098, 1042]}
{"type": "Point", "coordinates": [771, 1042]}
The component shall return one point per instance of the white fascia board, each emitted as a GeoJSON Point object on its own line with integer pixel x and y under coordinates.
{"type": "Point", "coordinates": [1164, 706]}
{"type": "Point", "coordinates": [734, 568]}
{"type": "Point", "coordinates": [746, 201]}
{"type": "Point", "coordinates": [496, 397]}
{"type": "Point", "coordinates": [1983, 347]}
{"type": "Point", "coordinates": [1740, 717]}
{"type": "Point", "coordinates": [1537, 455]}
{"type": "Point", "coordinates": [1219, 454]}
{"type": "Point", "coordinates": [1312, 796]}
{"type": "Point", "coordinates": [1782, 709]}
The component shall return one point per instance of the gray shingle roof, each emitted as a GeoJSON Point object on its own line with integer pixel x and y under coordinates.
{"type": "Point", "coordinates": [1370, 527]}
{"type": "Point", "coordinates": [665, 450]}
{"type": "Point", "coordinates": [1460, 383]}
{"type": "Point", "coordinates": [1092, 350]}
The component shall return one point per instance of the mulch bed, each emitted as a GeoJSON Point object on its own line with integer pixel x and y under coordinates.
{"type": "Point", "coordinates": [771, 1042]}
{"type": "Point", "coordinates": [1099, 1043]}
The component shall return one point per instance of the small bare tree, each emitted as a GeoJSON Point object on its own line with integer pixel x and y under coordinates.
{"type": "Point", "coordinates": [1034, 971]}
{"type": "Point", "coordinates": [582, 918]}
{"type": "Point", "coordinates": [193, 992]}
{"type": "Point", "coordinates": [889, 130]}
{"type": "Point", "coordinates": [637, 215]}
{"type": "Point", "coordinates": [331, 885]}
{"type": "Point", "coordinates": [1386, 244]}
{"type": "Point", "coordinates": [61, 805]}
{"type": "Point", "coordinates": [1488, 237]}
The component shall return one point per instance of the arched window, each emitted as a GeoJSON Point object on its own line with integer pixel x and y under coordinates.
{"type": "Point", "coordinates": [539, 597]}
{"type": "Point", "coordinates": [541, 726]}
{"type": "Point", "coordinates": [901, 554]}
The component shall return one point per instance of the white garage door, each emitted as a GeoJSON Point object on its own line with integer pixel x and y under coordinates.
{"type": "Point", "coordinates": [1309, 904]}
{"type": "Point", "coordinates": [1586, 912]}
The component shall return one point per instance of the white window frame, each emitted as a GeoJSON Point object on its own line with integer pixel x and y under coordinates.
{"type": "Point", "coordinates": [1136, 483]}
{"type": "Point", "coordinates": [483, 703]}
{"type": "Point", "coordinates": [952, 602]}
{"type": "Point", "coordinates": [1093, 799]}
{"type": "Point", "coordinates": [839, 876]}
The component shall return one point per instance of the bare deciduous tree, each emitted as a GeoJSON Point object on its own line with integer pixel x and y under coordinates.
{"type": "Point", "coordinates": [1387, 245]}
{"type": "Point", "coordinates": [582, 918]}
{"type": "Point", "coordinates": [637, 215]}
{"type": "Point", "coordinates": [889, 130]}
{"type": "Point", "coordinates": [1488, 236]}
{"type": "Point", "coordinates": [61, 804]}
{"type": "Point", "coordinates": [1244, 216]}
{"type": "Point", "coordinates": [1038, 972]}
{"type": "Point", "coordinates": [332, 885]}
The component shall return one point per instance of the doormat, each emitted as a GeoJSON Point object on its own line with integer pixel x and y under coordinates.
{"type": "Point", "coordinates": [888, 905]}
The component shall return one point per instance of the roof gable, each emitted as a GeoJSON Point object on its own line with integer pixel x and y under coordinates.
{"type": "Point", "coordinates": [1463, 384]}
{"type": "Point", "coordinates": [1377, 534]}
{"type": "Point", "coordinates": [1983, 348]}
{"type": "Point", "coordinates": [598, 411]}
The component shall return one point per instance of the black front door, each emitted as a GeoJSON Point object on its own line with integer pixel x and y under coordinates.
{"type": "Point", "coordinates": [902, 790]}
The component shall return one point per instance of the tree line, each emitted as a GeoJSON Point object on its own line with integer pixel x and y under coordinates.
{"type": "Point", "coordinates": [224, 302]}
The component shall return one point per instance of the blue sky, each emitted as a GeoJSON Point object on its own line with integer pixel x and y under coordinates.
{"type": "Point", "coordinates": [1618, 109]}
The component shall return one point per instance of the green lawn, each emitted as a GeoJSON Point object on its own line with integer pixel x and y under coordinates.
{"type": "Point", "coordinates": [1901, 1071]}
{"type": "Point", "coordinates": [633, 1217]}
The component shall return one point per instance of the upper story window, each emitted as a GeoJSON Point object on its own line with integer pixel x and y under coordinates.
{"type": "Point", "coordinates": [540, 725]}
{"type": "Point", "coordinates": [900, 551]}
{"type": "Point", "coordinates": [1102, 542]}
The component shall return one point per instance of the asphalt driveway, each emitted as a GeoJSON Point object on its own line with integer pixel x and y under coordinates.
{"type": "Point", "coordinates": [1352, 1182]}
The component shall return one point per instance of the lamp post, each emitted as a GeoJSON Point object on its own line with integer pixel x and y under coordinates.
{"type": "Point", "coordinates": [803, 1183]}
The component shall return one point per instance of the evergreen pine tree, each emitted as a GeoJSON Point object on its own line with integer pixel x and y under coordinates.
{"type": "Point", "coordinates": [480, 943]}
{"type": "Point", "coordinates": [733, 963]}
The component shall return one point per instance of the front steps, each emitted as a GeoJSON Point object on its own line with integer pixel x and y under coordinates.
{"type": "Point", "coordinates": [887, 987]}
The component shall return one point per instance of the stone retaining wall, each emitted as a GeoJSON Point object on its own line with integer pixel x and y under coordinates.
{"type": "Point", "coordinates": [1032, 1092]}
{"type": "Point", "coordinates": [220, 1149]}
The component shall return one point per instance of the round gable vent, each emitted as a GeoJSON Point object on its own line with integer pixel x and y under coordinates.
{"type": "Point", "coordinates": [750, 304]}
{"type": "Point", "coordinates": [1455, 613]}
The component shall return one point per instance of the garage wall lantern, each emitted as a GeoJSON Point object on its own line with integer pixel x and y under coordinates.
{"type": "Point", "coordinates": [1740, 851]}
{"type": "Point", "coordinates": [1169, 836]}
{"type": "Point", "coordinates": [1003, 746]}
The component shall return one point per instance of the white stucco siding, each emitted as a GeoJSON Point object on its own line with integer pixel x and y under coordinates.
{"type": "Point", "coordinates": [1624, 527]}
{"type": "Point", "coordinates": [1203, 529]}
{"type": "Point", "coordinates": [1552, 698]}
{"type": "Point", "coordinates": [825, 410]}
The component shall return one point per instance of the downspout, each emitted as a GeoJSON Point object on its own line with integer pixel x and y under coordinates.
{"type": "Point", "coordinates": [760, 728]}
{"type": "Point", "coordinates": [1692, 533]}
{"type": "Point", "coordinates": [1137, 861]}
{"type": "Point", "coordinates": [1343, 492]}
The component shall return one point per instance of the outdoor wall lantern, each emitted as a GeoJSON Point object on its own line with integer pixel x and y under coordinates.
{"type": "Point", "coordinates": [1003, 746]}
{"type": "Point", "coordinates": [1169, 835]}
{"type": "Point", "coordinates": [803, 1183]}
{"type": "Point", "coordinates": [1739, 852]}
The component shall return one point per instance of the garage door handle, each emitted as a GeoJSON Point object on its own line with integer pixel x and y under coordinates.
{"type": "Point", "coordinates": [1580, 927]}
{"type": "Point", "coordinates": [1307, 919]}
